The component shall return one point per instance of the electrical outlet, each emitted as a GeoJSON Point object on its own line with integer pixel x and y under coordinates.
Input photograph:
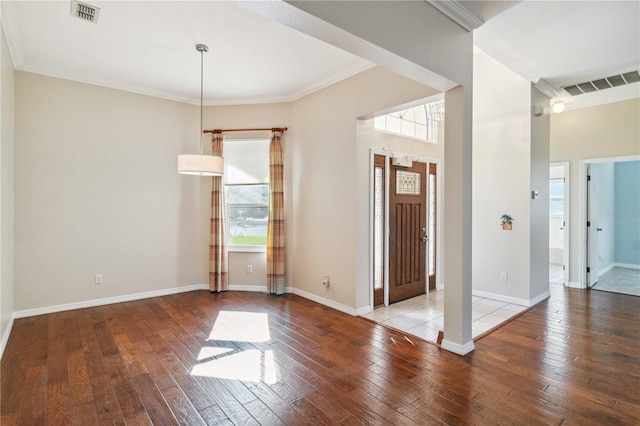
{"type": "Point", "coordinates": [326, 282]}
{"type": "Point", "coordinates": [504, 277]}
{"type": "Point", "coordinates": [99, 279]}
{"type": "Point", "coordinates": [249, 269]}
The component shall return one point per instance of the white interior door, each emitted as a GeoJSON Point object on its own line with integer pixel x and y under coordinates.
{"type": "Point", "coordinates": [558, 224]}
{"type": "Point", "coordinates": [592, 226]}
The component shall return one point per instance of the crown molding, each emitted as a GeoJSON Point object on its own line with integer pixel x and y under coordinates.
{"type": "Point", "coordinates": [457, 13]}
{"type": "Point", "coordinates": [11, 33]}
{"type": "Point", "coordinates": [544, 86]}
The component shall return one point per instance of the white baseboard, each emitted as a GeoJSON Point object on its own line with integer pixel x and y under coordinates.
{"type": "Point", "coordinates": [511, 299]}
{"type": "Point", "coordinates": [606, 269]}
{"type": "Point", "coordinates": [575, 284]}
{"type": "Point", "coordinates": [457, 348]}
{"type": "Point", "coordinates": [500, 297]}
{"type": "Point", "coordinates": [627, 265]}
{"type": "Point", "coordinates": [324, 301]}
{"type": "Point", "coordinates": [5, 336]}
{"type": "Point", "coordinates": [252, 288]}
{"type": "Point", "coordinates": [364, 310]}
{"type": "Point", "coordinates": [108, 300]}
{"type": "Point", "coordinates": [543, 296]}
{"type": "Point", "coordinates": [165, 292]}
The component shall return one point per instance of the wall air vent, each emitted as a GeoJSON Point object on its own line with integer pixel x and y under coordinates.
{"type": "Point", "coordinates": [603, 83]}
{"type": "Point", "coordinates": [85, 11]}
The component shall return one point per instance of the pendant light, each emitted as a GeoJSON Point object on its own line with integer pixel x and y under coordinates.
{"type": "Point", "coordinates": [201, 164]}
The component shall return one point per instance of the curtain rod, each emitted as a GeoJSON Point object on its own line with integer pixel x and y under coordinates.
{"type": "Point", "coordinates": [271, 129]}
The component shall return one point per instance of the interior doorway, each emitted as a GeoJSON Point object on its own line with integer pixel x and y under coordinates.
{"type": "Point", "coordinates": [611, 224]}
{"type": "Point", "coordinates": [558, 223]}
{"type": "Point", "coordinates": [404, 228]}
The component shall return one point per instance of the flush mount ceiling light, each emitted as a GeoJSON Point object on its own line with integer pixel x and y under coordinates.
{"type": "Point", "coordinates": [201, 164]}
{"type": "Point", "coordinates": [558, 107]}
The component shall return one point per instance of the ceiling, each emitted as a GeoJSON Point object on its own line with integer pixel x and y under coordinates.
{"type": "Point", "coordinates": [149, 47]}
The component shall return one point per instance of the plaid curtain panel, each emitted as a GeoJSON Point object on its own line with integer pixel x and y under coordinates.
{"type": "Point", "coordinates": [218, 264]}
{"type": "Point", "coordinates": [275, 232]}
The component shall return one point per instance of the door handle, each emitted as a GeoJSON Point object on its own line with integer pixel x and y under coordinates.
{"type": "Point", "coordinates": [599, 229]}
{"type": "Point", "coordinates": [425, 238]}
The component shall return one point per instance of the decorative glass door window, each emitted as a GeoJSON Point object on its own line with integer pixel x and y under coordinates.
{"type": "Point", "coordinates": [407, 183]}
{"type": "Point", "coordinates": [432, 221]}
{"type": "Point", "coordinates": [378, 228]}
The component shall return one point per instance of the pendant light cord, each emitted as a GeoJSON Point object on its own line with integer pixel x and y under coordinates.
{"type": "Point", "coordinates": [201, 98]}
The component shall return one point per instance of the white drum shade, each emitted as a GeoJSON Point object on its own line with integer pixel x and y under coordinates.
{"type": "Point", "coordinates": [200, 165]}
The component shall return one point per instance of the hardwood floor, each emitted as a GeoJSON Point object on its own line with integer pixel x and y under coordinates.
{"type": "Point", "coordinates": [244, 358]}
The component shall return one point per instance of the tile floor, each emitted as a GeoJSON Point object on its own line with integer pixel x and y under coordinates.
{"type": "Point", "coordinates": [556, 274]}
{"type": "Point", "coordinates": [423, 316]}
{"type": "Point", "coordinates": [619, 280]}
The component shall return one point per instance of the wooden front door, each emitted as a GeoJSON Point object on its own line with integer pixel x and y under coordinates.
{"type": "Point", "coordinates": [407, 231]}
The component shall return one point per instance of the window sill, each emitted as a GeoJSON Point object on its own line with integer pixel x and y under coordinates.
{"type": "Point", "coordinates": [246, 249]}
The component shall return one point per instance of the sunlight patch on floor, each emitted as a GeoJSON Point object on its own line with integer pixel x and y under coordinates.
{"type": "Point", "coordinates": [245, 365]}
{"type": "Point", "coordinates": [241, 327]}
{"type": "Point", "coordinates": [227, 360]}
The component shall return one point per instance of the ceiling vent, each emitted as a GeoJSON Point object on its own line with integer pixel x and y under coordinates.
{"type": "Point", "coordinates": [603, 83]}
{"type": "Point", "coordinates": [85, 11]}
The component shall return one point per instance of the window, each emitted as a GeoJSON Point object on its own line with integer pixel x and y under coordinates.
{"type": "Point", "coordinates": [420, 122]}
{"type": "Point", "coordinates": [246, 174]}
{"type": "Point", "coordinates": [556, 197]}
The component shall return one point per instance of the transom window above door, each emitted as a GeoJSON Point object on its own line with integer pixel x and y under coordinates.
{"type": "Point", "coordinates": [419, 122]}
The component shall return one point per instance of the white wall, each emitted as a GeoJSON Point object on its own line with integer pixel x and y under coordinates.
{"type": "Point", "coordinates": [6, 189]}
{"type": "Point", "coordinates": [603, 131]}
{"type": "Point", "coordinates": [539, 208]}
{"type": "Point", "coordinates": [97, 192]}
{"type": "Point", "coordinates": [501, 178]}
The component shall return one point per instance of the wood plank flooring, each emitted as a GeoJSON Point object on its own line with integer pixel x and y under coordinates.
{"type": "Point", "coordinates": [243, 358]}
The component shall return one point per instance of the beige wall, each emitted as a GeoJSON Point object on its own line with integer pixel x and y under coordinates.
{"type": "Point", "coordinates": [96, 192]}
{"type": "Point", "coordinates": [604, 131]}
{"type": "Point", "coordinates": [250, 116]}
{"type": "Point", "coordinates": [444, 61]}
{"type": "Point", "coordinates": [330, 183]}
{"type": "Point", "coordinates": [6, 189]}
{"type": "Point", "coordinates": [369, 139]}
{"type": "Point", "coordinates": [501, 178]}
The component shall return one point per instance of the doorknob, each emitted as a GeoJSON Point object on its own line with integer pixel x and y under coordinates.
{"type": "Point", "coordinates": [599, 229]}
{"type": "Point", "coordinates": [425, 238]}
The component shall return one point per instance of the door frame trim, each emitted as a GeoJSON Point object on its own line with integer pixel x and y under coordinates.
{"type": "Point", "coordinates": [582, 208]}
{"type": "Point", "coordinates": [439, 244]}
